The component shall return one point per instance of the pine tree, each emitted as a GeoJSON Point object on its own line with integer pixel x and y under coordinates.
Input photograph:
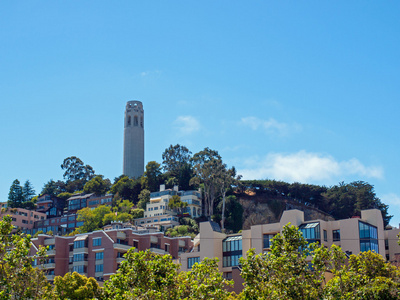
{"type": "Point", "coordinates": [27, 191]}
{"type": "Point", "coordinates": [15, 196]}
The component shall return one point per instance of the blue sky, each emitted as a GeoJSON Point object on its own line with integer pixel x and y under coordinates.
{"type": "Point", "coordinates": [305, 92]}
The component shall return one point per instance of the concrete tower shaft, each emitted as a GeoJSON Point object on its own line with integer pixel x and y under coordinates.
{"type": "Point", "coordinates": [134, 139]}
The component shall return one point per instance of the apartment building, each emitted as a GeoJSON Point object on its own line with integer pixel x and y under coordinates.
{"type": "Point", "coordinates": [79, 201]}
{"type": "Point", "coordinates": [354, 235]}
{"type": "Point", "coordinates": [21, 218]}
{"type": "Point", "coordinates": [50, 205]}
{"type": "Point", "coordinates": [158, 213]}
{"type": "Point", "coordinates": [98, 254]}
{"type": "Point", "coordinates": [61, 225]}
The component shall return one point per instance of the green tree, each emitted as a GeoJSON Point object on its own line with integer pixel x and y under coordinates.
{"type": "Point", "coordinates": [225, 179]}
{"type": "Point", "coordinates": [97, 185]}
{"type": "Point", "coordinates": [347, 200]}
{"type": "Point", "coordinates": [92, 218]}
{"type": "Point", "coordinates": [366, 275]}
{"type": "Point", "coordinates": [137, 213]}
{"type": "Point", "coordinates": [76, 173]}
{"type": "Point", "coordinates": [177, 163]}
{"type": "Point", "coordinates": [144, 198]}
{"type": "Point", "coordinates": [126, 188]}
{"type": "Point", "coordinates": [18, 279]}
{"type": "Point", "coordinates": [144, 275]}
{"type": "Point", "coordinates": [234, 213]}
{"type": "Point", "coordinates": [176, 203]}
{"type": "Point", "coordinates": [206, 165]}
{"type": "Point", "coordinates": [76, 287]}
{"type": "Point", "coordinates": [15, 195]}
{"type": "Point", "coordinates": [285, 272]}
{"type": "Point", "coordinates": [28, 191]}
{"type": "Point", "coordinates": [204, 281]}
{"type": "Point", "coordinates": [152, 178]}
{"type": "Point", "coordinates": [53, 188]}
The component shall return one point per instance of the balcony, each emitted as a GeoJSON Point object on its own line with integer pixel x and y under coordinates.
{"type": "Point", "coordinates": [81, 250]}
{"type": "Point", "coordinates": [121, 235]}
{"type": "Point", "coordinates": [120, 260]}
{"type": "Point", "coordinates": [158, 251]}
{"type": "Point", "coordinates": [50, 277]}
{"type": "Point", "coordinates": [51, 252]}
{"type": "Point", "coordinates": [49, 241]}
{"type": "Point", "coordinates": [47, 266]}
{"type": "Point", "coordinates": [122, 247]}
{"type": "Point", "coordinates": [80, 263]}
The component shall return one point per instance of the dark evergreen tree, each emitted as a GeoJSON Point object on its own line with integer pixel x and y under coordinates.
{"type": "Point", "coordinates": [15, 196]}
{"type": "Point", "coordinates": [27, 191]}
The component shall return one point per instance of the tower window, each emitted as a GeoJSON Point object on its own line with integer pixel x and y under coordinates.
{"type": "Point", "coordinates": [129, 121]}
{"type": "Point", "coordinates": [141, 122]}
{"type": "Point", "coordinates": [135, 121]}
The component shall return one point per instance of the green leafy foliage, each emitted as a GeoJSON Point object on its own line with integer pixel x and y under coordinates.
{"type": "Point", "coordinates": [234, 213]}
{"type": "Point", "coordinates": [204, 281]}
{"type": "Point", "coordinates": [177, 164]}
{"type": "Point", "coordinates": [152, 177]}
{"type": "Point", "coordinates": [341, 201]}
{"type": "Point", "coordinates": [18, 279]}
{"type": "Point", "coordinates": [365, 276]}
{"type": "Point", "coordinates": [76, 287]}
{"type": "Point", "coordinates": [93, 218]}
{"type": "Point", "coordinates": [144, 198]}
{"type": "Point", "coordinates": [15, 196]}
{"type": "Point", "coordinates": [144, 275]}
{"type": "Point", "coordinates": [284, 272]}
{"type": "Point", "coordinates": [97, 185]}
{"type": "Point", "coordinates": [76, 173]}
{"type": "Point", "coordinates": [127, 189]}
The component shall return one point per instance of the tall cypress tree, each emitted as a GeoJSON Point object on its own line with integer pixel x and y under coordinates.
{"type": "Point", "coordinates": [15, 196]}
{"type": "Point", "coordinates": [27, 191]}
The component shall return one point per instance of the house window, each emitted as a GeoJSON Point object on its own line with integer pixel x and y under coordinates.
{"type": "Point", "coordinates": [96, 242]}
{"type": "Point", "coordinates": [368, 237]}
{"type": "Point", "coordinates": [267, 240]}
{"type": "Point", "coordinates": [336, 235]}
{"type": "Point", "coordinates": [79, 269]}
{"type": "Point", "coordinates": [231, 251]}
{"type": "Point", "coordinates": [79, 244]}
{"type": "Point", "coordinates": [80, 257]}
{"type": "Point", "coordinates": [192, 260]}
{"type": "Point", "coordinates": [325, 235]}
{"type": "Point", "coordinates": [99, 268]}
{"type": "Point", "coordinates": [99, 255]}
{"type": "Point", "coordinates": [311, 232]}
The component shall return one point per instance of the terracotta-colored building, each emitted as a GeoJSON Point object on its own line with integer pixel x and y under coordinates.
{"type": "Point", "coordinates": [98, 254]}
{"type": "Point", "coordinates": [21, 218]}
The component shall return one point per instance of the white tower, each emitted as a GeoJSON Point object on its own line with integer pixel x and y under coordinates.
{"type": "Point", "coordinates": [134, 139]}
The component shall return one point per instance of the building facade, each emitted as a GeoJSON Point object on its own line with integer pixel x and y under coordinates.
{"type": "Point", "coordinates": [21, 218]}
{"type": "Point", "coordinates": [50, 205]}
{"type": "Point", "coordinates": [92, 200]}
{"type": "Point", "coordinates": [353, 235]}
{"type": "Point", "coordinates": [98, 254]}
{"type": "Point", "coordinates": [133, 165]}
{"type": "Point", "coordinates": [159, 214]}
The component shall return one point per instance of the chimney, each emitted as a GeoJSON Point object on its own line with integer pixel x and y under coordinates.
{"type": "Point", "coordinates": [162, 187]}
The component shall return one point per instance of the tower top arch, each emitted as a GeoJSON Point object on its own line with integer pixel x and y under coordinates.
{"type": "Point", "coordinates": [134, 104]}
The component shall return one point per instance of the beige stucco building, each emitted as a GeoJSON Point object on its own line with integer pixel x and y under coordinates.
{"type": "Point", "coordinates": [354, 235]}
{"type": "Point", "coordinates": [159, 214]}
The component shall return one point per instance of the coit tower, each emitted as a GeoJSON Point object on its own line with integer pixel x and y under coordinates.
{"type": "Point", "coordinates": [134, 139]}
